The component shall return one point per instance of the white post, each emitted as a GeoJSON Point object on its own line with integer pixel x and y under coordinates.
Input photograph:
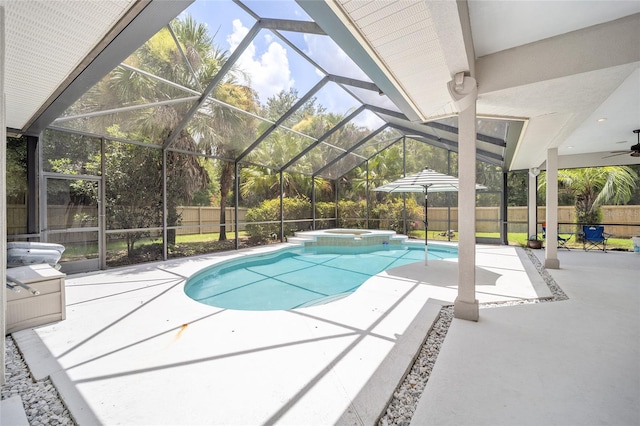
{"type": "Point", "coordinates": [426, 228]}
{"type": "Point", "coordinates": [3, 200]}
{"type": "Point", "coordinates": [532, 202]}
{"type": "Point", "coordinates": [464, 92]}
{"type": "Point", "coordinates": [551, 251]}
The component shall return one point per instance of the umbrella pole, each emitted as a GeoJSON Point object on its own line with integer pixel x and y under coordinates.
{"type": "Point", "coordinates": [426, 229]}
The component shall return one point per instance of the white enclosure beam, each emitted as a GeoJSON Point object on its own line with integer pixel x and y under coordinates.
{"type": "Point", "coordinates": [532, 202]}
{"type": "Point", "coordinates": [551, 252]}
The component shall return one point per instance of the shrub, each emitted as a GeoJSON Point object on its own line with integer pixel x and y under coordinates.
{"type": "Point", "coordinates": [352, 214]}
{"type": "Point", "coordinates": [325, 211]}
{"type": "Point", "coordinates": [269, 211]}
{"type": "Point", "coordinates": [390, 214]}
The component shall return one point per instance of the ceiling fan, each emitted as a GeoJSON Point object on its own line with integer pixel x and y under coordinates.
{"type": "Point", "coordinates": [634, 151]}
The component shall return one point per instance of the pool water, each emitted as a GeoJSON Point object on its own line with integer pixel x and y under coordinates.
{"type": "Point", "coordinates": [300, 277]}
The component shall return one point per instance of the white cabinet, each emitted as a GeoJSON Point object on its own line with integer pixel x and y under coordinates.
{"type": "Point", "coordinates": [25, 309]}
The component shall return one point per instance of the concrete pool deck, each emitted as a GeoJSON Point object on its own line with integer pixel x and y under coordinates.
{"type": "Point", "coordinates": [135, 349]}
{"type": "Point", "coordinates": [570, 362]}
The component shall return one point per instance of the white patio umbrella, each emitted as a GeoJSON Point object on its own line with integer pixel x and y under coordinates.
{"type": "Point", "coordinates": [424, 181]}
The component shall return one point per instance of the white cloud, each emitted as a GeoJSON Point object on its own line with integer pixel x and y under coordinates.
{"type": "Point", "coordinates": [269, 73]}
{"type": "Point", "coordinates": [327, 54]}
{"type": "Point", "coordinates": [239, 32]}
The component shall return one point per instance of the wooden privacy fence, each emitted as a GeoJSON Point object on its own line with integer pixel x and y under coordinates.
{"type": "Point", "coordinates": [202, 220]}
{"type": "Point", "coordinates": [208, 219]}
{"type": "Point", "coordinates": [614, 219]}
{"type": "Point", "coordinates": [62, 217]}
{"type": "Point", "coordinates": [16, 219]}
{"type": "Point", "coordinates": [488, 219]}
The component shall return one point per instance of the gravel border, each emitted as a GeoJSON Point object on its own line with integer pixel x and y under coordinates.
{"type": "Point", "coordinates": [405, 399]}
{"type": "Point", "coordinates": [41, 401]}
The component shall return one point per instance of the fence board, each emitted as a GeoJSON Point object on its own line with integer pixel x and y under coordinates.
{"type": "Point", "coordinates": [207, 219]}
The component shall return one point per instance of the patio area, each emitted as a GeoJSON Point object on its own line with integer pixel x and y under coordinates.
{"type": "Point", "coordinates": [571, 362]}
{"type": "Point", "coordinates": [135, 349]}
{"type": "Point", "coordinates": [266, 118]}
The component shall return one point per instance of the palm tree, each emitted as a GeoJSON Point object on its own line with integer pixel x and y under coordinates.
{"type": "Point", "coordinates": [593, 187]}
{"type": "Point", "coordinates": [213, 130]}
{"type": "Point", "coordinates": [160, 56]}
{"type": "Point", "coordinates": [283, 145]}
{"type": "Point", "coordinates": [234, 131]}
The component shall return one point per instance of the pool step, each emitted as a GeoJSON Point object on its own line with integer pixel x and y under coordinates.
{"type": "Point", "coordinates": [298, 240]}
{"type": "Point", "coordinates": [343, 237]}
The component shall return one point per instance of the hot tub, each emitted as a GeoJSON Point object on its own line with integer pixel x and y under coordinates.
{"type": "Point", "coordinates": [347, 237]}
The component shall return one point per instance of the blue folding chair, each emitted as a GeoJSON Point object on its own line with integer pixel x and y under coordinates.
{"type": "Point", "coordinates": [594, 237]}
{"type": "Point", "coordinates": [562, 238]}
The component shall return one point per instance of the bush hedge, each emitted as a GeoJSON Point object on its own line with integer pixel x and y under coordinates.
{"type": "Point", "coordinates": [264, 220]}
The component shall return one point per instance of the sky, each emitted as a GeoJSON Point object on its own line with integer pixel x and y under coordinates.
{"type": "Point", "coordinates": [270, 64]}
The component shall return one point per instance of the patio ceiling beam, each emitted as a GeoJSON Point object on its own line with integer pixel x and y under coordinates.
{"type": "Point", "coordinates": [184, 56]}
{"type": "Point", "coordinates": [351, 149]}
{"type": "Point", "coordinates": [415, 134]}
{"type": "Point", "coordinates": [296, 49]}
{"type": "Point", "coordinates": [125, 109]}
{"type": "Point", "coordinates": [481, 137]}
{"type": "Point", "coordinates": [291, 25]}
{"type": "Point", "coordinates": [160, 79]}
{"type": "Point", "coordinates": [226, 67]}
{"type": "Point", "coordinates": [354, 83]}
{"type": "Point", "coordinates": [384, 111]}
{"type": "Point", "coordinates": [478, 156]}
{"type": "Point", "coordinates": [323, 137]}
{"type": "Point", "coordinates": [284, 117]}
{"type": "Point", "coordinates": [391, 143]}
{"type": "Point", "coordinates": [263, 166]}
{"type": "Point", "coordinates": [100, 136]}
{"type": "Point", "coordinates": [492, 161]}
{"type": "Point", "coordinates": [436, 125]}
{"type": "Point", "coordinates": [446, 143]}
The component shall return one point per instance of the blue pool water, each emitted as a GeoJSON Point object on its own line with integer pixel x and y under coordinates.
{"type": "Point", "coordinates": [298, 277]}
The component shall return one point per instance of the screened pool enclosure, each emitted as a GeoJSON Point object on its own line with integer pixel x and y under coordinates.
{"type": "Point", "coordinates": [235, 125]}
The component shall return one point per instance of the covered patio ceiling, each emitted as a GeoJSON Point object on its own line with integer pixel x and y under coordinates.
{"type": "Point", "coordinates": [549, 79]}
{"type": "Point", "coordinates": [559, 66]}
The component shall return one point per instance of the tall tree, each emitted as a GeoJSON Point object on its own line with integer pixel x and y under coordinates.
{"type": "Point", "coordinates": [133, 190]}
{"type": "Point", "coordinates": [595, 186]}
{"type": "Point", "coordinates": [234, 132]}
{"type": "Point", "coordinates": [214, 130]}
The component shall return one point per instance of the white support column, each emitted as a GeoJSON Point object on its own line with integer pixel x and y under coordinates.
{"type": "Point", "coordinates": [551, 250]}
{"type": "Point", "coordinates": [464, 91]}
{"type": "Point", "coordinates": [532, 202]}
{"type": "Point", "coordinates": [3, 200]}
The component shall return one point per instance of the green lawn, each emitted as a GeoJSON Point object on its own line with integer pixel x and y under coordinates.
{"type": "Point", "coordinates": [520, 239]}
{"type": "Point", "coordinates": [180, 239]}
{"type": "Point", "coordinates": [189, 245]}
{"type": "Point", "coordinates": [201, 238]}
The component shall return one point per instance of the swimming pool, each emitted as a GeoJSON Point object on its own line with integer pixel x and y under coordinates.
{"type": "Point", "coordinates": [300, 276]}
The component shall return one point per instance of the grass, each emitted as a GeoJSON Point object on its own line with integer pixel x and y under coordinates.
{"type": "Point", "coordinates": [520, 239]}
{"type": "Point", "coordinates": [201, 238]}
{"type": "Point", "coordinates": [150, 249]}
{"type": "Point", "coordinates": [180, 239]}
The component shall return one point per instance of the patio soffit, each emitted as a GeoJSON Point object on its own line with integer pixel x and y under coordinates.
{"type": "Point", "coordinates": [529, 67]}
